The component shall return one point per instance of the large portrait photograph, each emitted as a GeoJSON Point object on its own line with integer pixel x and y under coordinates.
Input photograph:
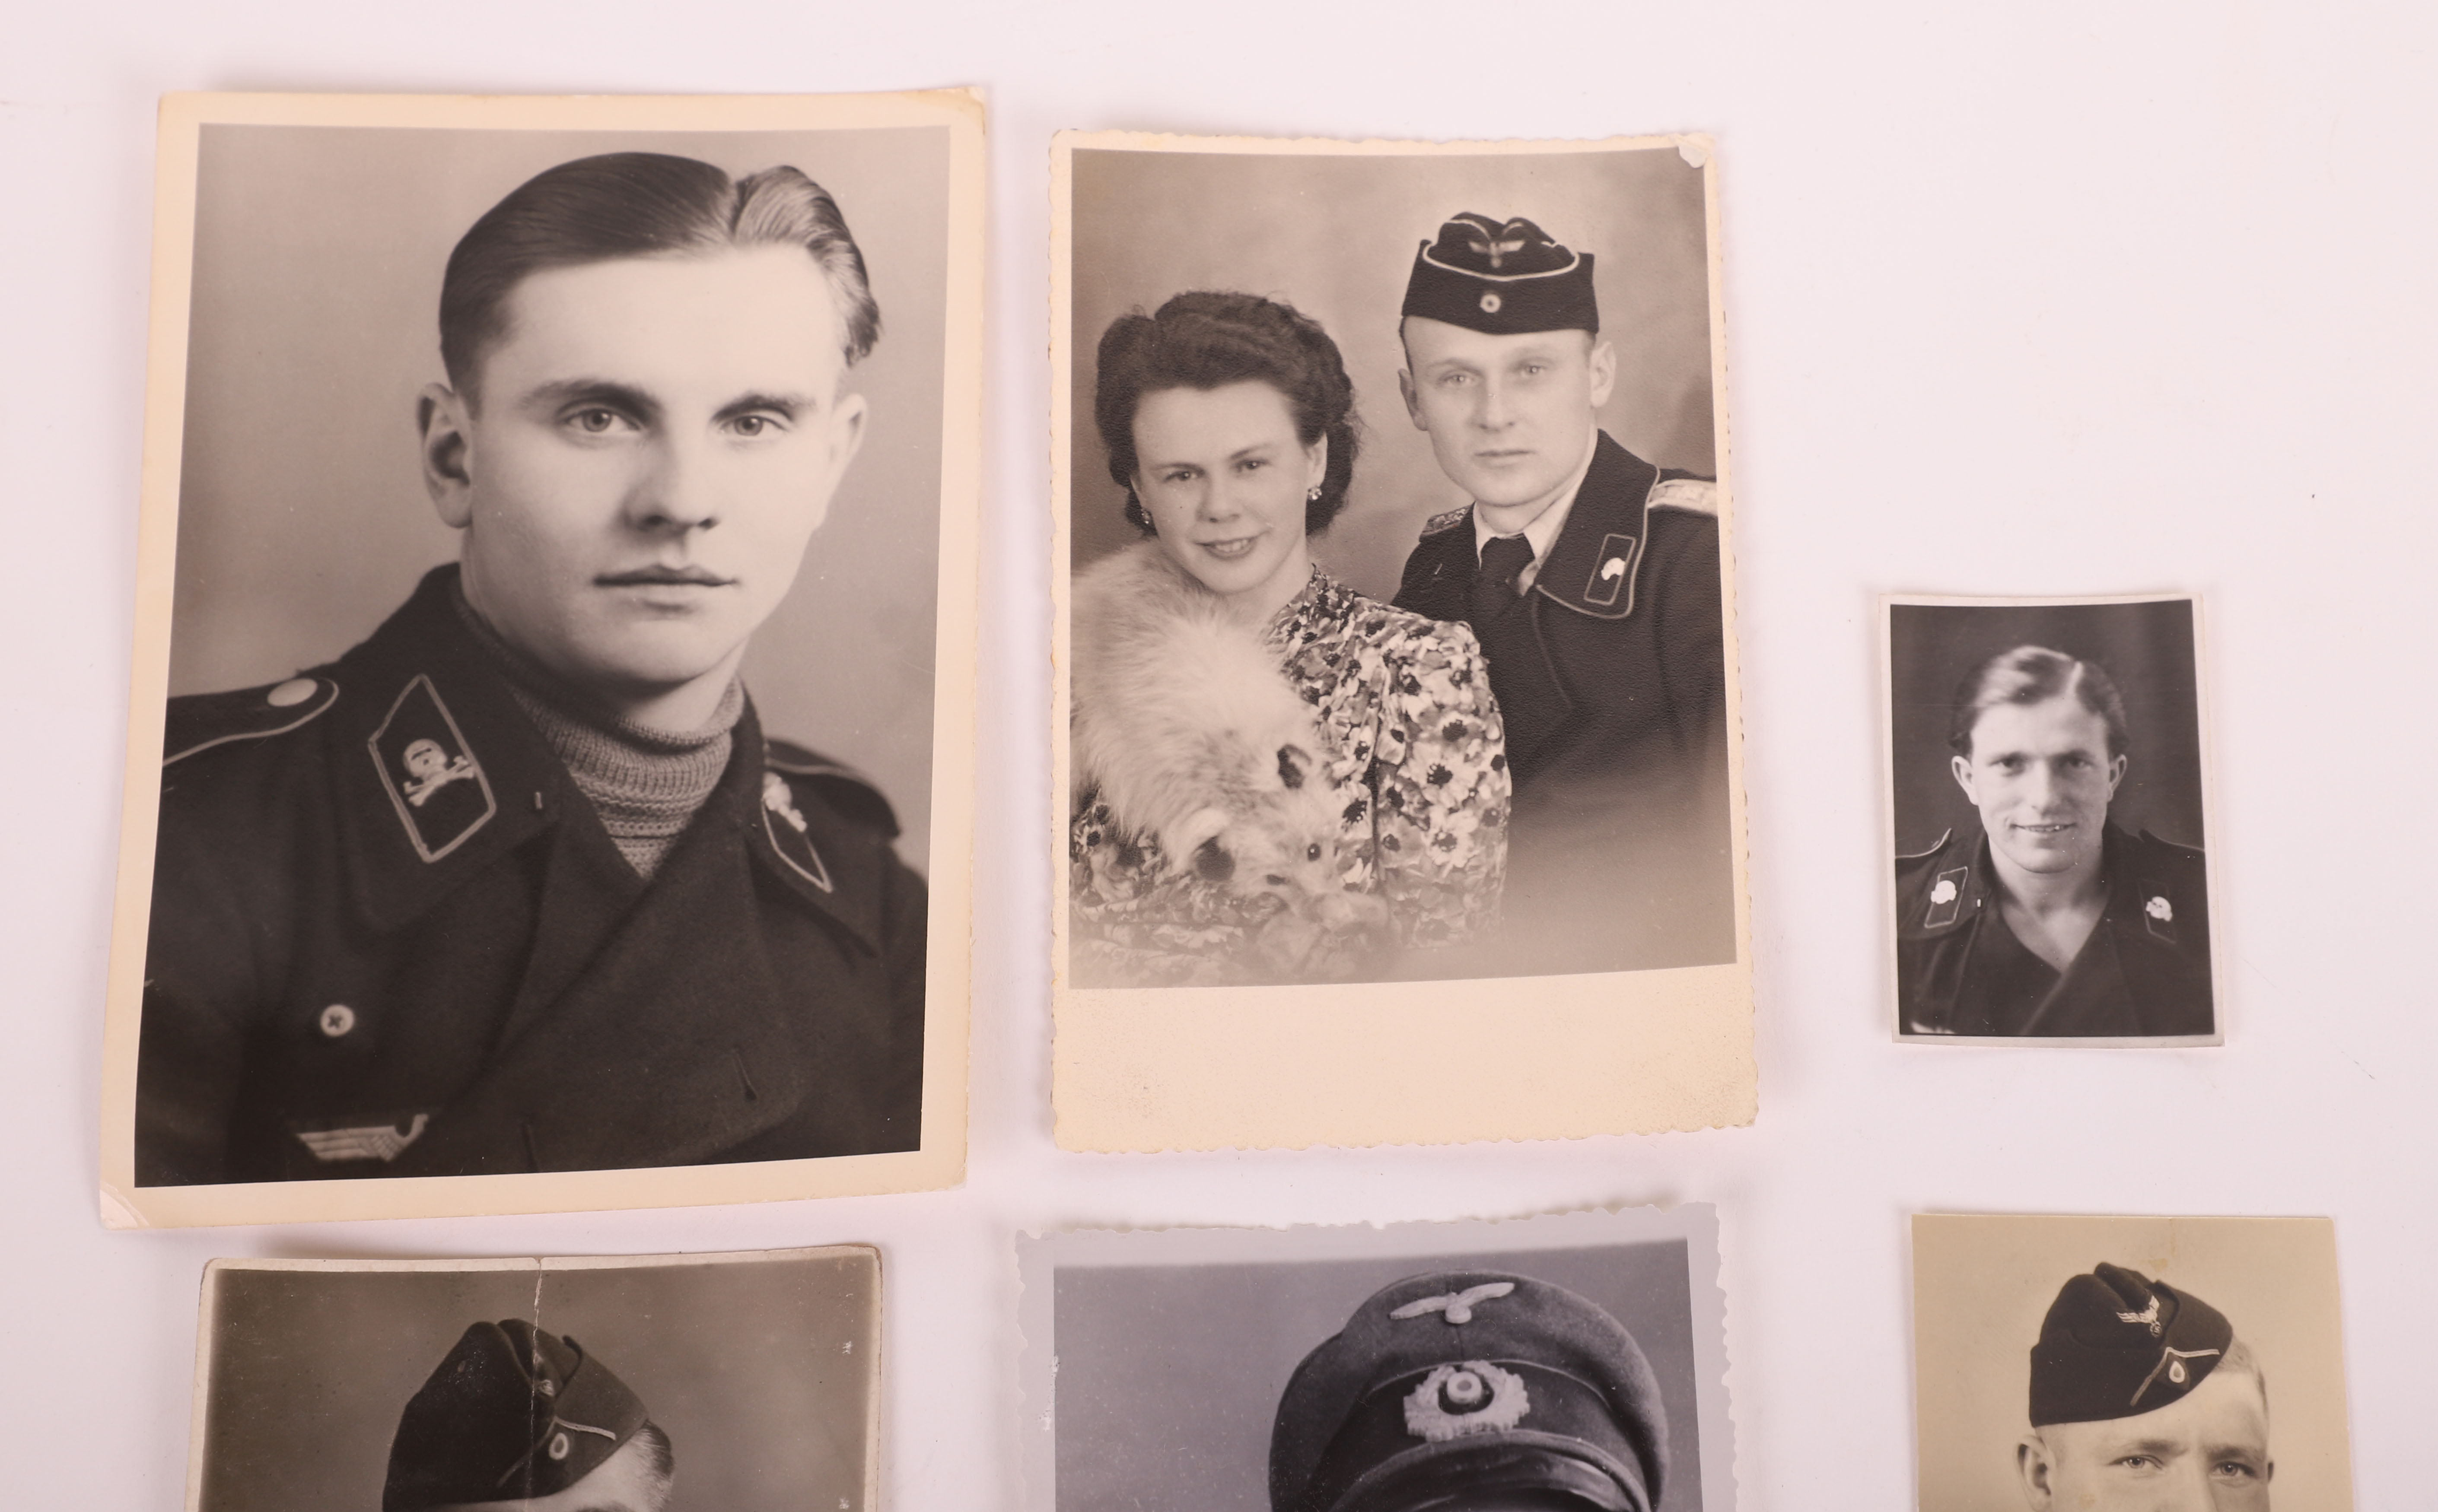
{"type": "Point", "coordinates": [1396, 641]}
{"type": "Point", "coordinates": [2070, 1363]}
{"type": "Point", "coordinates": [1567, 1364]}
{"type": "Point", "coordinates": [550, 736]}
{"type": "Point", "coordinates": [2048, 782]}
{"type": "Point", "coordinates": [731, 1382]}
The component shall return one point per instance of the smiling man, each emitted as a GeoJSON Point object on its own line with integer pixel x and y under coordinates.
{"type": "Point", "coordinates": [2143, 1401]}
{"type": "Point", "coordinates": [1592, 579]}
{"type": "Point", "coordinates": [519, 884]}
{"type": "Point", "coordinates": [2049, 920]}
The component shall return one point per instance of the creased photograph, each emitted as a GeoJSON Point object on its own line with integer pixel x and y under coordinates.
{"type": "Point", "coordinates": [1397, 644]}
{"type": "Point", "coordinates": [747, 1382]}
{"type": "Point", "coordinates": [2048, 783]}
{"type": "Point", "coordinates": [552, 731]}
{"type": "Point", "coordinates": [1575, 1361]}
{"type": "Point", "coordinates": [2128, 1364]}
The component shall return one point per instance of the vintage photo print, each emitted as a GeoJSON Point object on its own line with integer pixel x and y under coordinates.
{"type": "Point", "coordinates": [550, 753]}
{"type": "Point", "coordinates": [2047, 788]}
{"type": "Point", "coordinates": [1396, 651]}
{"type": "Point", "coordinates": [651, 1383]}
{"type": "Point", "coordinates": [1576, 1361]}
{"type": "Point", "coordinates": [2105, 1365]}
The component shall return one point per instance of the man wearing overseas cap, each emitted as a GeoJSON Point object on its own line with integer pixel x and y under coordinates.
{"type": "Point", "coordinates": [1592, 579]}
{"type": "Point", "coordinates": [1471, 1391]}
{"type": "Point", "coordinates": [2143, 1401]}
{"type": "Point", "coordinates": [519, 1417]}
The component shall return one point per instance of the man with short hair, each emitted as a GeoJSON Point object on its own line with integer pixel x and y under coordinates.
{"type": "Point", "coordinates": [519, 883]}
{"type": "Point", "coordinates": [1592, 579]}
{"type": "Point", "coordinates": [518, 1419]}
{"type": "Point", "coordinates": [2143, 1401]}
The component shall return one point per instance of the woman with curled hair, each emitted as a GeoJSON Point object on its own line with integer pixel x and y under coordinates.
{"type": "Point", "coordinates": [2050, 921]}
{"type": "Point", "coordinates": [1276, 778]}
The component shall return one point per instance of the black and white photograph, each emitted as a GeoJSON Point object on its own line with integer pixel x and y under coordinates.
{"type": "Point", "coordinates": [741, 1382]}
{"type": "Point", "coordinates": [1398, 628]}
{"type": "Point", "coordinates": [552, 734]}
{"type": "Point", "coordinates": [2128, 1364]}
{"type": "Point", "coordinates": [2047, 783]}
{"type": "Point", "coordinates": [1572, 1363]}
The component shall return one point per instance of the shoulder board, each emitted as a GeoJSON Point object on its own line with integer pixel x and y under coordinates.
{"type": "Point", "coordinates": [848, 791]}
{"type": "Point", "coordinates": [200, 721]}
{"type": "Point", "coordinates": [1940, 844]}
{"type": "Point", "coordinates": [1449, 520]}
{"type": "Point", "coordinates": [1697, 495]}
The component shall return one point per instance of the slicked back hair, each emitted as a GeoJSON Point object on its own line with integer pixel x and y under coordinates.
{"type": "Point", "coordinates": [2032, 675]}
{"type": "Point", "coordinates": [640, 205]}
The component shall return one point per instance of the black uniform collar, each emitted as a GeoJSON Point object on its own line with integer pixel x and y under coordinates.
{"type": "Point", "coordinates": [1597, 556]}
{"type": "Point", "coordinates": [1963, 883]}
{"type": "Point", "coordinates": [422, 676]}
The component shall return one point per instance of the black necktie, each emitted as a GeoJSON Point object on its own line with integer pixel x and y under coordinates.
{"type": "Point", "coordinates": [1503, 559]}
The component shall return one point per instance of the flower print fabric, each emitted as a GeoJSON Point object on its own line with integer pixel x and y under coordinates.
{"type": "Point", "coordinates": [1417, 751]}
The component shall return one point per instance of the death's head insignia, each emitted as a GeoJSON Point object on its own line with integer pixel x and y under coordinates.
{"type": "Point", "coordinates": [433, 781]}
{"type": "Point", "coordinates": [2158, 914]}
{"type": "Point", "coordinates": [1946, 898]}
{"type": "Point", "coordinates": [1612, 577]}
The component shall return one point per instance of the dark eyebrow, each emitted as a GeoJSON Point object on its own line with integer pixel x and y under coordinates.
{"type": "Point", "coordinates": [595, 390]}
{"type": "Point", "coordinates": [791, 405]}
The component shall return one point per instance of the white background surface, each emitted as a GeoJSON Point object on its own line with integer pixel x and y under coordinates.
{"type": "Point", "coordinates": [2068, 298]}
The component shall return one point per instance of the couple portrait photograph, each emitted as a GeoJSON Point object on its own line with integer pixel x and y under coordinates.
{"type": "Point", "coordinates": [1399, 617]}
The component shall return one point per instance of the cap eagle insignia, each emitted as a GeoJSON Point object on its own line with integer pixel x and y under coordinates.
{"type": "Point", "coordinates": [2148, 1316]}
{"type": "Point", "coordinates": [1495, 247]}
{"type": "Point", "coordinates": [1459, 1306]}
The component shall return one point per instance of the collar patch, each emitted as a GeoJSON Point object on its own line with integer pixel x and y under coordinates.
{"type": "Point", "coordinates": [1946, 898]}
{"type": "Point", "coordinates": [1613, 571]}
{"type": "Point", "coordinates": [433, 780]}
{"type": "Point", "coordinates": [790, 835]}
{"type": "Point", "coordinates": [2158, 913]}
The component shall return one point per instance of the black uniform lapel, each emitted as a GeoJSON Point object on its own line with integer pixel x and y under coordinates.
{"type": "Point", "coordinates": [669, 1045]}
{"type": "Point", "coordinates": [1438, 581]}
{"type": "Point", "coordinates": [1596, 559]}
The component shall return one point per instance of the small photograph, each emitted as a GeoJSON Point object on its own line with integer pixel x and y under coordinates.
{"type": "Point", "coordinates": [2128, 1364]}
{"type": "Point", "coordinates": [1396, 635]}
{"type": "Point", "coordinates": [552, 730]}
{"type": "Point", "coordinates": [2047, 778]}
{"type": "Point", "coordinates": [1572, 1363]}
{"type": "Point", "coordinates": [745, 1382]}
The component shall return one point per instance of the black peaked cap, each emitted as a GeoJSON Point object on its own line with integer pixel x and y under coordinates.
{"type": "Point", "coordinates": [1478, 1383]}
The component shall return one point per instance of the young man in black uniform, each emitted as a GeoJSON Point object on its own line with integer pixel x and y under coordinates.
{"type": "Point", "coordinates": [1592, 579]}
{"type": "Point", "coordinates": [519, 883]}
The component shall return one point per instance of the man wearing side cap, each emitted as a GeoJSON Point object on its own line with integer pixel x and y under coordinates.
{"type": "Point", "coordinates": [518, 1418]}
{"type": "Point", "coordinates": [1592, 579]}
{"type": "Point", "coordinates": [2143, 1401]}
{"type": "Point", "coordinates": [1471, 1391]}
{"type": "Point", "coordinates": [519, 883]}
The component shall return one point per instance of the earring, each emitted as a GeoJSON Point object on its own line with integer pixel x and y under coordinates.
{"type": "Point", "coordinates": [1312, 495]}
{"type": "Point", "coordinates": [1138, 516]}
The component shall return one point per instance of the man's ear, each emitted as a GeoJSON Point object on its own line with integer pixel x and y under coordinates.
{"type": "Point", "coordinates": [1603, 363]}
{"type": "Point", "coordinates": [1413, 399]}
{"type": "Point", "coordinates": [1961, 767]}
{"type": "Point", "coordinates": [448, 449]}
{"type": "Point", "coordinates": [2033, 1469]}
{"type": "Point", "coordinates": [846, 432]}
{"type": "Point", "coordinates": [2116, 774]}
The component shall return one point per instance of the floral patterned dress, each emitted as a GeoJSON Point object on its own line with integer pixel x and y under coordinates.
{"type": "Point", "coordinates": [1416, 743]}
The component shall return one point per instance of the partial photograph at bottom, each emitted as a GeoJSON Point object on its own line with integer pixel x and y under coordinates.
{"type": "Point", "coordinates": [745, 1382]}
{"type": "Point", "coordinates": [1572, 1363]}
{"type": "Point", "coordinates": [2128, 1364]}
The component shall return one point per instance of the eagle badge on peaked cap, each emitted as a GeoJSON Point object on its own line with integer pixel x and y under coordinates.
{"type": "Point", "coordinates": [1503, 278]}
{"type": "Point", "coordinates": [2116, 1343]}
